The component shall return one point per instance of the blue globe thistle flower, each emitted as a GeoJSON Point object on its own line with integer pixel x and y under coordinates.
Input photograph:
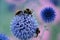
{"type": "Point", "coordinates": [48, 14]}
{"type": "Point", "coordinates": [24, 26]}
{"type": "Point", "coordinates": [3, 37]}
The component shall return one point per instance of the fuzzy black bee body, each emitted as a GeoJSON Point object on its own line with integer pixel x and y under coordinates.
{"type": "Point", "coordinates": [18, 12]}
{"type": "Point", "coordinates": [28, 11]}
{"type": "Point", "coordinates": [37, 32]}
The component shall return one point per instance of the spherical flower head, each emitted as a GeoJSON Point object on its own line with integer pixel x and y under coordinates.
{"type": "Point", "coordinates": [3, 37]}
{"type": "Point", "coordinates": [24, 26]}
{"type": "Point", "coordinates": [48, 14]}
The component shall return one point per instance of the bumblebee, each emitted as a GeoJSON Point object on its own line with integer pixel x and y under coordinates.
{"type": "Point", "coordinates": [18, 12]}
{"type": "Point", "coordinates": [28, 11]}
{"type": "Point", "coordinates": [37, 32]}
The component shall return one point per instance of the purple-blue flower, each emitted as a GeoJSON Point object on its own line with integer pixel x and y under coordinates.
{"type": "Point", "coordinates": [48, 14]}
{"type": "Point", "coordinates": [24, 26]}
{"type": "Point", "coordinates": [3, 37]}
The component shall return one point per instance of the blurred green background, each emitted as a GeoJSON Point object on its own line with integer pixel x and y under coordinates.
{"type": "Point", "coordinates": [5, 18]}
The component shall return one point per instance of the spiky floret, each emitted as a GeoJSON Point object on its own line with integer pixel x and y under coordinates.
{"type": "Point", "coordinates": [3, 37]}
{"type": "Point", "coordinates": [24, 26]}
{"type": "Point", "coordinates": [48, 14]}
